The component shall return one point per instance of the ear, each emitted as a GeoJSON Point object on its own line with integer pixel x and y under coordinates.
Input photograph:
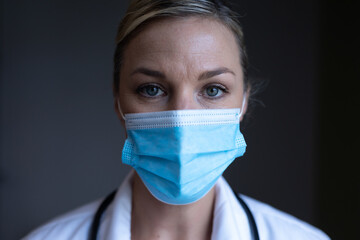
{"type": "Point", "coordinates": [246, 99]}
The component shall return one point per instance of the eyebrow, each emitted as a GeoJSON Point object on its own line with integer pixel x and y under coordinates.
{"type": "Point", "coordinates": [215, 72]}
{"type": "Point", "coordinates": [204, 75]}
{"type": "Point", "coordinates": [148, 72]}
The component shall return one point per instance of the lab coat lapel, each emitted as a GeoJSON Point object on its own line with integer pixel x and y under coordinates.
{"type": "Point", "coordinates": [117, 224]}
{"type": "Point", "coordinates": [230, 220]}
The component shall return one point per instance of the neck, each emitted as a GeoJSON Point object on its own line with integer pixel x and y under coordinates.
{"type": "Point", "coordinates": [152, 219]}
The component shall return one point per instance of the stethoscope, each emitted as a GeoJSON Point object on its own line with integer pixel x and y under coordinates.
{"type": "Point", "coordinates": [107, 201]}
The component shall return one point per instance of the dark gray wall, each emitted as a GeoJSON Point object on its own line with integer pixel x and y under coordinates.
{"type": "Point", "coordinates": [339, 128]}
{"type": "Point", "coordinates": [280, 164]}
{"type": "Point", "coordinates": [61, 140]}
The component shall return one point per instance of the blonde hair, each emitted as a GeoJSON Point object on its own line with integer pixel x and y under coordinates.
{"type": "Point", "coordinates": [142, 12]}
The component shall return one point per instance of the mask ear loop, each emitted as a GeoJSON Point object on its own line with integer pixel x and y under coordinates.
{"type": "Point", "coordinates": [119, 108]}
{"type": "Point", "coordinates": [243, 105]}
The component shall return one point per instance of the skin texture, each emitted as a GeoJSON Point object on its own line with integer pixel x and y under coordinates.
{"type": "Point", "coordinates": [173, 64]}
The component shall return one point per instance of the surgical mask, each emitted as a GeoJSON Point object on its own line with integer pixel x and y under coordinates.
{"type": "Point", "coordinates": [179, 155]}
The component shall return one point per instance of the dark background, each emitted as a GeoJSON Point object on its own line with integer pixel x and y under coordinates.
{"type": "Point", "coordinates": [61, 140]}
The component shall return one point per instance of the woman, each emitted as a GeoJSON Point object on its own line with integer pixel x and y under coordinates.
{"type": "Point", "coordinates": [180, 90]}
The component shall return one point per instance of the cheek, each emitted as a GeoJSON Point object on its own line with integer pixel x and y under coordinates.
{"type": "Point", "coordinates": [126, 93]}
{"type": "Point", "coordinates": [235, 97]}
{"type": "Point", "coordinates": [233, 102]}
{"type": "Point", "coordinates": [126, 97]}
{"type": "Point", "coordinates": [129, 103]}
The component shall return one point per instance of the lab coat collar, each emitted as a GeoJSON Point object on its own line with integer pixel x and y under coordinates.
{"type": "Point", "coordinates": [230, 221]}
{"type": "Point", "coordinates": [118, 221]}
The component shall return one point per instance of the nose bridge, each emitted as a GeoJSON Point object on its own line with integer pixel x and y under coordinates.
{"type": "Point", "coordinates": [183, 98]}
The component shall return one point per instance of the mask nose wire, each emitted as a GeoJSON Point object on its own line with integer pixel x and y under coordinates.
{"type": "Point", "coordinates": [119, 108]}
{"type": "Point", "coordinates": [243, 105]}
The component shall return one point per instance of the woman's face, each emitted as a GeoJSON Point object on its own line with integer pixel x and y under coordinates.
{"type": "Point", "coordinates": [187, 63]}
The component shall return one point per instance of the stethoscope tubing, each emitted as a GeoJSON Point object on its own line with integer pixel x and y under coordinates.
{"type": "Point", "coordinates": [250, 217]}
{"type": "Point", "coordinates": [95, 225]}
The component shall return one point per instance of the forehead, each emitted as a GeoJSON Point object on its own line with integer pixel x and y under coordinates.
{"type": "Point", "coordinates": [193, 41]}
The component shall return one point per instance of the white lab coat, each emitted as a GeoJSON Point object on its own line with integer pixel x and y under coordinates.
{"type": "Point", "coordinates": [230, 220]}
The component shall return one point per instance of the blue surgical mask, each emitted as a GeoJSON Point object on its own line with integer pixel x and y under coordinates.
{"type": "Point", "coordinates": [179, 155]}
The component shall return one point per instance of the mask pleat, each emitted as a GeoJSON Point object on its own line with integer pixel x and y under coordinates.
{"type": "Point", "coordinates": [179, 155]}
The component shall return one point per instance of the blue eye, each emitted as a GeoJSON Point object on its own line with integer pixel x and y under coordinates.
{"type": "Point", "coordinates": [150, 90]}
{"type": "Point", "coordinates": [212, 91]}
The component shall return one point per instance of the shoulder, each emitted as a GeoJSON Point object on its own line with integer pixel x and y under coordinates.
{"type": "Point", "coordinates": [275, 224]}
{"type": "Point", "coordinates": [72, 225]}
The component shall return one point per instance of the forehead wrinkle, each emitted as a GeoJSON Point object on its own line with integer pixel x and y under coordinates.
{"type": "Point", "coordinates": [172, 61]}
{"type": "Point", "coordinates": [190, 40]}
{"type": "Point", "coordinates": [195, 50]}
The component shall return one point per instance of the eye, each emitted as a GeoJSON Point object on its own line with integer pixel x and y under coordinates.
{"type": "Point", "coordinates": [150, 90]}
{"type": "Point", "coordinates": [214, 91]}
